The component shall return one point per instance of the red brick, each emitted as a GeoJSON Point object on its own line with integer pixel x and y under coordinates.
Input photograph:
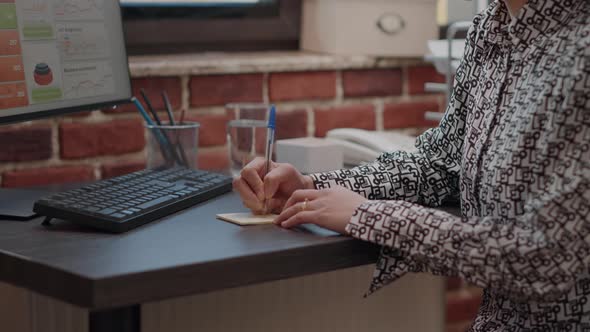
{"type": "Point", "coordinates": [163, 116]}
{"type": "Point", "coordinates": [420, 75]}
{"type": "Point", "coordinates": [291, 124]}
{"type": "Point", "coordinates": [26, 144]}
{"type": "Point", "coordinates": [222, 89]}
{"type": "Point", "coordinates": [81, 114]}
{"type": "Point", "coordinates": [459, 327]}
{"type": "Point", "coordinates": [249, 111]}
{"type": "Point", "coordinates": [374, 82]}
{"type": "Point", "coordinates": [121, 168]}
{"type": "Point", "coordinates": [462, 307]}
{"type": "Point", "coordinates": [213, 128]}
{"type": "Point", "coordinates": [408, 114]}
{"type": "Point", "coordinates": [454, 283]}
{"type": "Point", "coordinates": [302, 86]}
{"type": "Point", "coordinates": [214, 160]}
{"type": "Point", "coordinates": [153, 87]}
{"type": "Point", "coordinates": [357, 116]}
{"type": "Point", "coordinates": [47, 176]}
{"type": "Point", "coordinates": [83, 140]}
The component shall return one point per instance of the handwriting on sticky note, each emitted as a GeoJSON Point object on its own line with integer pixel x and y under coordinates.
{"type": "Point", "coordinates": [247, 219]}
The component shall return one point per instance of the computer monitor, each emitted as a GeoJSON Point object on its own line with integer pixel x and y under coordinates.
{"type": "Point", "coordinates": [60, 56]}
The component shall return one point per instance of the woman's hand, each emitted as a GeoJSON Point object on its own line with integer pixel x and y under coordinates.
{"type": "Point", "coordinates": [274, 190]}
{"type": "Point", "coordinates": [328, 208]}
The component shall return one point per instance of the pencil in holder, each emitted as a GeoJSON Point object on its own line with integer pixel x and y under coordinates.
{"type": "Point", "coordinates": [171, 146]}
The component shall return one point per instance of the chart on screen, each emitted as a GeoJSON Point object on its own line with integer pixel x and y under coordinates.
{"type": "Point", "coordinates": [53, 50]}
{"type": "Point", "coordinates": [87, 79]}
{"type": "Point", "coordinates": [36, 19]}
{"type": "Point", "coordinates": [79, 9]}
{"type": "Point", "coordinates": [82, 41]}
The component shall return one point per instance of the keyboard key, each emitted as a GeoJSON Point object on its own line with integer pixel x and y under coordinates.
{"type": "Point", "coordinates": [155, 202]}
{"type": "Point", "coordinates": [107, 211]}
{"type": "Point", "coordinates": [157, 183]}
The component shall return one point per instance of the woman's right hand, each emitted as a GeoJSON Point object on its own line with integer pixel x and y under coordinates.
{"type": "Point", "coordinates": [268, 194]}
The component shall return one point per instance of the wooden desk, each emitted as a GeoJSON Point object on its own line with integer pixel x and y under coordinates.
{"type": "Point", "coordinates": [101, 279]}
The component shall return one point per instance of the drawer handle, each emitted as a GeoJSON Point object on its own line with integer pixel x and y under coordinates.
{"type": "Point", "coordinates": [391, 23]}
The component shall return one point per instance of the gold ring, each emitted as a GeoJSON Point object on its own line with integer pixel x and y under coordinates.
{"type": "Point", "coordinates": [304, 206]}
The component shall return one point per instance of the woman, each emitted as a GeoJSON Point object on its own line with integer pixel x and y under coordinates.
{"type": "Point", "coordinates": [514, 147]}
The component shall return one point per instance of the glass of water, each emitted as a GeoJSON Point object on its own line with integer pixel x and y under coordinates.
{"type": "Point", "coordinates": [248, 111]}
{"type": "Point", "coordinates": [246, 134]}
{"type": "Point", "coordinates": [247, 140]}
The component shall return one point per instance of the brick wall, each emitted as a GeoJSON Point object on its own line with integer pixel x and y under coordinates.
{"type": "Point", "coordinates": [106, 143]}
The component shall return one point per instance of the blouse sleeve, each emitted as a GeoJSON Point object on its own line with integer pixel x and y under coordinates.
{"type": "Point", "coordinates": [429, 176]}
{"type": "Point", "coordinates": [536, 255]}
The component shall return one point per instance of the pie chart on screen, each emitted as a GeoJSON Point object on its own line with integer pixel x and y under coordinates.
{"type": "Point", "coordinates": [43, 74]}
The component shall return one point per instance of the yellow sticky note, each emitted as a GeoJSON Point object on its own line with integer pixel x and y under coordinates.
{"type": "Point", "coordinates": [247, 219]}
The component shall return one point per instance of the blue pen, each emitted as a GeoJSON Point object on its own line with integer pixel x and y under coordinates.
{"type": "Point", "coordinates": [270, 139]}
{"type": "Point", "coordinates": [142, 111]}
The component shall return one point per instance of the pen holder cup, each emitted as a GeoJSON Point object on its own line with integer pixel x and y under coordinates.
{"type": "Point", "coordinates": [171, 146]}
{"type": "Point", "coordinates": [247, 140]}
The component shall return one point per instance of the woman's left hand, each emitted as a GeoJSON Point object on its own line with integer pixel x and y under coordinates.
{"type": "Point", "coordinates": [329, 208]}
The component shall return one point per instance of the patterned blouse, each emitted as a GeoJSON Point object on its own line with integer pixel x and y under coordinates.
{"type": "Point", "coordinates": [514, 148]}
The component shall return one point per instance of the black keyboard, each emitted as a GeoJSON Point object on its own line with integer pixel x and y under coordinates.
{"type": "Point", "coordinates": [125, 202]}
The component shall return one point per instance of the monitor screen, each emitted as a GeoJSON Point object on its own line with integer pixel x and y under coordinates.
{"type": "Point", "coordinates": [60, 56]}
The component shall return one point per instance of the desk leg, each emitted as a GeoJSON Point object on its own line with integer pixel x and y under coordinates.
{"type": "Point", "coordinates": [126, 319]}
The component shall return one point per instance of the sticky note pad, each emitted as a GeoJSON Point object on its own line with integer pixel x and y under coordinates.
{"type": "Point", "coordinates": [247, 219]}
